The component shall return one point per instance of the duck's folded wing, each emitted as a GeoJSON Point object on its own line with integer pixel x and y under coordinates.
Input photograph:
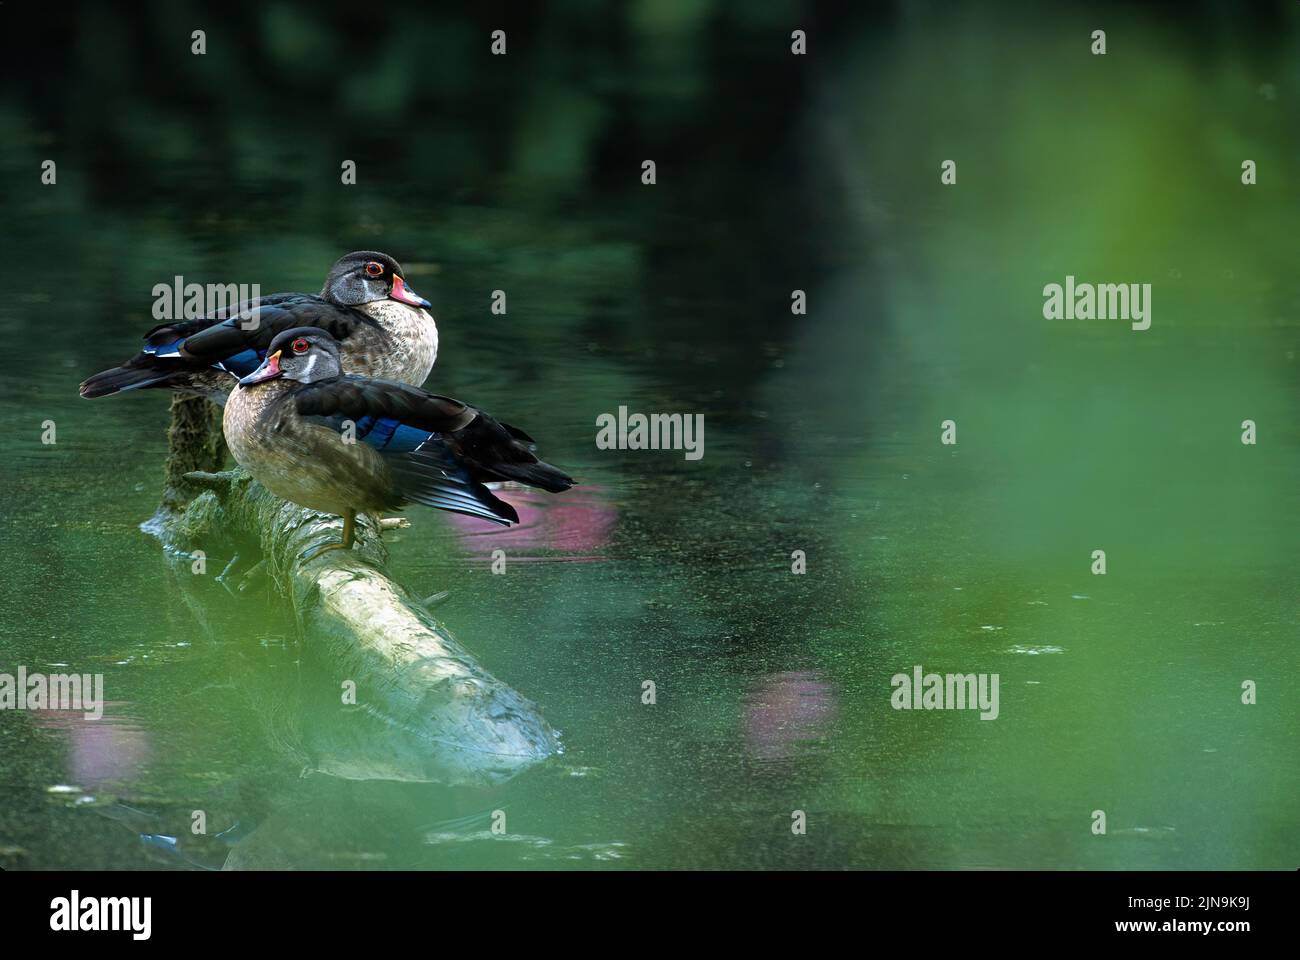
{"type": "Point", "coordinates": [233, 340]}
{"type": "Point", "coordinates": [158, 364]}
{"type": "Point", "coordinates": [357, 397]}
{"type": "Point", "coordinates": [485, 449]}
{"type": "Point", "coordinates": [430, 477]}
{"type": "Point", "coordinates": [237, 343]}
{"type": "Point", "coordinates": [405, 425]}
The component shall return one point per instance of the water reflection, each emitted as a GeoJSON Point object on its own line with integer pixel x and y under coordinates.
{"type": "Point", "coordinates": [576, 526]}
{"type": "Point", "coordinates": [113, 749]}
{"type": "Point", "coordinates": [786, 711]}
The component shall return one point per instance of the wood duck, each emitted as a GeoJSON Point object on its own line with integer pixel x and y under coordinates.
{"type": "Point", "coordinates": [347, 444]}
{"type": "Point", "coordinates": [383, 325]}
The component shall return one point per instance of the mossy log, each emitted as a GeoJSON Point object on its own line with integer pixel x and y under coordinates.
{"type": "Point", "coordinates": [425, 709]}
{"type": "Point", "coordinates": [194, 442]}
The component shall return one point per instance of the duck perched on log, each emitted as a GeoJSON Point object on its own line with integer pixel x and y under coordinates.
{"type": "Point", "coordinates": [347, 444]}
{"type": "Point", "coordinates": [384, 328]}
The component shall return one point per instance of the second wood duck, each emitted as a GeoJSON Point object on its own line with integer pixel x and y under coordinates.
{"type": "Point", "coordinates": [347, 444]}
{"type": "Point", "coordinates": [384, 329]}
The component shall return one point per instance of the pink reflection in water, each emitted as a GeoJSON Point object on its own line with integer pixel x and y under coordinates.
{"type": "Point", "coordinates": [784, 710]}
{"type": "Point", "coordinates": [108, 750]}
{"type": "Point", "coordinates": [577, 522]}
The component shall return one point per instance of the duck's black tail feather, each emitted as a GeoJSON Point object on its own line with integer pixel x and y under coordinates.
{"type": "Point", "coordinates": [121, 379]}
{"type": "Point", "coordinates": [491, 450]}
{"type": "Point", "coordinates": [427, 479]}
{"type": "Point", "coordinates": [537, 474]}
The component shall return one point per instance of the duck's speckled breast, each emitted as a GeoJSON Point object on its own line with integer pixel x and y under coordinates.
{"type": "Point", "coordinates": [407, 352]}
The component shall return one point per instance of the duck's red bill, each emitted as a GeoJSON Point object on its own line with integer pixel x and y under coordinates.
{"type": "Point", "coordinates": [269, 370]}
{"type": "Point", "coordinates": [405, 294]}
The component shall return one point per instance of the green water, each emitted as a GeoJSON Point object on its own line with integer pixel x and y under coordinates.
{"type": "Point", "coordinates": [1119, 692]}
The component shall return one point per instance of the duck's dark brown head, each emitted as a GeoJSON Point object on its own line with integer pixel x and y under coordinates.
{"type": "Point", "coordinates": [303, 354]}
{"type": "Point", "coordinates": [367, 276]}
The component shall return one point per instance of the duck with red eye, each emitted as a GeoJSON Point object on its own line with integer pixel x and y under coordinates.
{"type": "Point", "coordinates": [348, 444]}
{"type": "Point", "coordinates": [383, 326]}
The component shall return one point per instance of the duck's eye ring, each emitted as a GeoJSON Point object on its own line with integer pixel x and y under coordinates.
{"type": "Point", "coordinates": [374, 269]}
{"type": "Point", "coordinates": [300, 346]}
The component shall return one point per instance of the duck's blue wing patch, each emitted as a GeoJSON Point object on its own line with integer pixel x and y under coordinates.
{"type": "Point", "coordinates": [242, 364]}
{"type": "Point", "coordinates": [424, 468]}
{"type": "Point", "coordinates": [385, 434]}
{"type": "Point", "coordinates": [171, 349]}
{"type": "Point", "coordinates": [393, 436]}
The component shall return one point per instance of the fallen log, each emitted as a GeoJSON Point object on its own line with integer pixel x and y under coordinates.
{"type": "Point", "coordinates": [407, 701]}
